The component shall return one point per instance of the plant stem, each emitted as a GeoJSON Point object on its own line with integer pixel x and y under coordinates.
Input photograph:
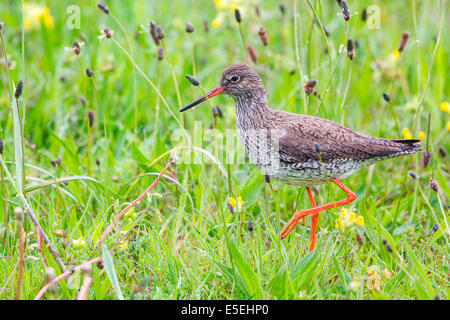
{"type": "Point", "coordinates": [104, 127]}
{"type": "Point", "coordinates": [21, 259]}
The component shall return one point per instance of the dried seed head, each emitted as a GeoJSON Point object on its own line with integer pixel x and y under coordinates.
{"type": "Point", "coordinates": [159, 32]}
{"type": "Point", "coordinates": [359, 239]}
{"type": "Point", "coordinates": [257, 11]}
{"type": "Point", "coordinates": [263, 36]}
{"type": "Point", "coordinates": [153, 33]}
{"type": "Point", "coordinates": [387, 245]}
{"type": "Point", "coordinates": [309, 86]}
{"type": "Point", "coordinates": [282, 9]}
{"type": "Point", "coordinates": [345, 12]}
{"type": "Point", "coordinates": [403, 42]}
{"type": "Point", "coordinates": [434, 185]}
{"type": "Point", "coordinates": [426, 156]}
{"type": "Point", "coordinates": [103, 8]}
{"type": "Point", "coordinates": [292, 72]}
{"type": "Point", "coordinates": [82, 37]}
{"type": "Point", "coordinates": [350, 49]}
{"type": "Point", "coordinates": [230, 207]}
{"type": "Point", "coordinates": [250, 226]}
{"type": "Point", "coordinates": [97, 161]}
{"type": "Point", "coordinates": [19, 89]}
{"type": "Point", "coordinates": [435, 227]}
{"type": "Point", "coordinates": [189, 27]}
{"type": "Point", "coordinates": [364, 14]}
{"type": "Point", "coordinates": [174, 160]}
{"type": "Point", "coordinates": [18, 212]}
{"type": "Point", "coordinates": [89, 72]}
{"type": "Point", "coordinates": [206, 25]}
{"type": "Point", "coordinates": [252, 53]}
{"type": "Point", "coordinates": [217, 112]}
{"type": "Point", "coordinates": [108, 33]}
{"type": "Point", "coordinates": [237, 15]}
{"type": "Point", "coordinates": [412, 175]}
{"type": "Point", "coordinates": [160, 53]}
{"type": "Point", "coordinates": [267, 178]}
{"type": "Point", "coordinates": [317, 148]}
{"type": "Point", "coordinates": [76, 48]}
{"type": "Point", "coordinates": [386, 97]}
{"type": "Point", "coordinates": [1, 146]}
{"type": "Point", "coordinates": [56, 162]}
{"type": "Point", "coordinates": [91, 116]}
{"type": "Point", "coordinates": [100, 265]}
{"type": "Point", "coordinates": [83, 101]}
{"type": "Point", "coordinates": [193, 80]}
{"type": "Point", "coordinates": [442, 152]}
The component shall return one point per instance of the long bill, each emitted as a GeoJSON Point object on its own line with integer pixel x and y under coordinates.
{"type": "Point", "coordinates": [214, 92]}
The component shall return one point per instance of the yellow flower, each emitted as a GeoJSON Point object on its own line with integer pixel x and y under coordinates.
{"type": "Point", "coordinates": [123, 245]}
{"type": "Point", "coordinates": [352, 217]}
{"type": "Point", "coordinates": [220, 4]}
{"type": "Point", "coordinates": [347, 218]}
{"type": "Point", "coordinates": [217, 22]}
{"type": "Point", "coordinates": [360, 221]}
{"type": "Point", "coordinates": [232, 202]}
{"type": "Point", "coordinates": [406, 134]}
{"type": "Point", "coordinates": [79, 243]}
{"type": "Point", "coordinates": [445, 106]}
{"type": "Point", "coordinates": [34, 15]}
{"type": "Point", "coordinates": [396, 55]}
{"type": "Point", "coordinates": [239, 200]}
{"type": "Point", "coordinates": [421, 135]}
{"type": "Point", "coordinates": [233, 7]}
{"type": "Point", "coordinates": [448, 125]}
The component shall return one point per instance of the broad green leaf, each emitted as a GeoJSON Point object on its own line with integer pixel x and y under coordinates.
{"type": "Point", "coordinates": [246, 272]}
{"type": "Point", "coordinates": [111, 271]}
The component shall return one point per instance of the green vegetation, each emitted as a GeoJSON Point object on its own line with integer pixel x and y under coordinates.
{"type": "Point", "coordinates": [78, 149]}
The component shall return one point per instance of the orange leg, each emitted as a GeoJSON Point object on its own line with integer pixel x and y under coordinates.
{"type": "Point", "coordinates": [315, 210]}
{"type": "Point", "coordinates": [314, 219]}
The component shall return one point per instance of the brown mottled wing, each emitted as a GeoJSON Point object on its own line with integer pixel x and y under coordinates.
{"type": "Point", "coordinates": [335, 141]}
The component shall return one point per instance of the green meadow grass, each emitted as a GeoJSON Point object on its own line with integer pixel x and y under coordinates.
{"type": "Point", "coordinates": [182, 241]}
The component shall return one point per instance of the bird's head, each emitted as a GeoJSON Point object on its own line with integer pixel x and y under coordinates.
{"type": "Point", "coordinates": [237, 80]}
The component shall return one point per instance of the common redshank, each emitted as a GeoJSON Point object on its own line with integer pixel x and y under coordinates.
{"type": "Point", "coordinates": [298, 149]}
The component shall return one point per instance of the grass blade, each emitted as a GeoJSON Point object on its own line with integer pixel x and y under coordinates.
{"type": "Point", "coordinates": [111, 271]}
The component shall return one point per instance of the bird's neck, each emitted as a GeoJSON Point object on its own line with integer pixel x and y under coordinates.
{"type": "Point", "coordinates": [251, 109]}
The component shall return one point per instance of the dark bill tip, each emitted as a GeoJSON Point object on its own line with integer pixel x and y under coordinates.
{"type": "Point", "coordinates": [214, 92]}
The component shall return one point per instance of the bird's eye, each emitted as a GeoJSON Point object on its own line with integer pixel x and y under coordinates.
{"type": "Point", "coordinates": [234, 78]}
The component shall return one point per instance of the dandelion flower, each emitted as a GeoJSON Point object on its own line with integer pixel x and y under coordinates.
{"type": "Point", "coordinates": [360, 221]}
{"type": "Point", "coordinates": [396, 55]}
{"type": "Point", "coordinates": [406, 134]}
{"type": "Point", "coordinates": [35, 15]}
{"type": "Point", "coordinates": [421, 135]}
{"type": "Point", "coordinates": [445, 106]}
{"type": "Point", "coordinates": [217, 22]}
{"type": "Point", "coordinates": [232, 202]}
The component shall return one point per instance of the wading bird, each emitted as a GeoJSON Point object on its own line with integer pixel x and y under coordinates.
{"type": "Point", "coordinates": [298, 149]}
